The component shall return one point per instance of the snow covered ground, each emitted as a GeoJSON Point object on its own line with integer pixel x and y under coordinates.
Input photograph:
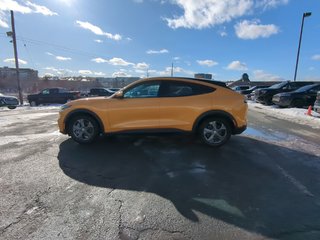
{"type": "Point", "coordinates": [296, 115]}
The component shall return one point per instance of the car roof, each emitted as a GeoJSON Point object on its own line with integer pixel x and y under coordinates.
{"type": "Point", "coordinates": [213, 82]}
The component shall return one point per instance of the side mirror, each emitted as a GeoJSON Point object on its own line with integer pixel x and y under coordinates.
{"type": "Point", "coordinates": [118, 94]}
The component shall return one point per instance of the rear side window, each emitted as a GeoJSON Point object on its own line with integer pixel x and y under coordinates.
{"type": "Point", "coordinates": [183, 89]}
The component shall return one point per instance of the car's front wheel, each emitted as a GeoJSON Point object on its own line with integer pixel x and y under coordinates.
{"type": "Point", "coordinates": [215, 131]}
{"type": "Point", "coordinates": [83, 129]}
{"type": "Point", "coordinates": [12, 107]}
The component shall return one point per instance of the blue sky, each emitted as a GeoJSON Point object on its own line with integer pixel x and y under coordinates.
{"type": "Point", "coordinates": [128, 37]}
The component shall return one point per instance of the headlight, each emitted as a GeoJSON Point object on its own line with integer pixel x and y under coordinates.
{"type": "Point", "coordinates": [64, 107]}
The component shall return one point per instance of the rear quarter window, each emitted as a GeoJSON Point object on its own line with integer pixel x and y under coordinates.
{"type": "Point", "coordinates": [183, 89]}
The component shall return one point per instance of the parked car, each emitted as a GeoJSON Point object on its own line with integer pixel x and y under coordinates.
{"type": "Point", "coordinates": [208, 108]}
{"type": "Point", "coordinates": [102, 91]}
{"type": "Point", "coordinates": [316, 105]}
{"type": "Point", "coordinates": [240, 88]}
{"type": "Point", "coordinates": [304, 96]}
{"type": "Point", "coordinates": [265, 95]}
{"type": "Point", "coordinates": [53, 95]}
{"type": "Point", "coordinates": [8, 101]}
{"type": "Point", "coordinates": [249, 92]}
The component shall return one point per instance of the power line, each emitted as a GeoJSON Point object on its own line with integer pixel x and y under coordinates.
{"type": "Point", "coordinates": [56, 46]}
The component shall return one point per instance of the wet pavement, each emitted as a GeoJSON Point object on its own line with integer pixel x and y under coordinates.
{"type": "Point", "coordinates": [264, 184]}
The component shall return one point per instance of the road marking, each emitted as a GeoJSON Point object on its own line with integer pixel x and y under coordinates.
{"type": "Point", "coordinates": [295, 182]}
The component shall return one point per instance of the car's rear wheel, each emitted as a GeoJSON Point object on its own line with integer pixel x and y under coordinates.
{"type": "Point", "coordinates": [215, 131]}
{"type": "Point", "coordinates": [12, 107]}
{"type": "Point", "coordinates": [83, 129]}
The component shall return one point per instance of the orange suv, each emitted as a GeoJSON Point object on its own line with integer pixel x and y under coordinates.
{"type": "Point", "coordinates": [205, 107]}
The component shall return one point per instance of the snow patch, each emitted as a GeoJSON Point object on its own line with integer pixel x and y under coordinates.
{"type": "Point", "coordinates": [296, 115]}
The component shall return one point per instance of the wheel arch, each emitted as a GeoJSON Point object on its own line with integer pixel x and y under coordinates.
{"type": "Point", "coordinates": [74, 113]}
{"type": "Point", "coordinates": [215, 113]}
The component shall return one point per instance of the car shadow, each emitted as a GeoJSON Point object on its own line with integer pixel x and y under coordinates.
{"type": "Point", "coordinates": [249, 183]}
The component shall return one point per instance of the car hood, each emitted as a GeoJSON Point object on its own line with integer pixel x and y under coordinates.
{"type": "Point", "coordinates": [90, 101]}
{"type": "Point", "coordinates": [7, 96]}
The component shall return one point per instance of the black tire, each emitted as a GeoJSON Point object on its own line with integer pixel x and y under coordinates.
{"type": "Point", "coordinates": [33, 104]}
{"type": "Point", "coordinates": [298, 103]}
{"type": "Point", "coordinates": [83, 129]}
{"type": "Point", "coordinates": [12, 107]}
{"type": "Point", "coordinates": [215, 131]}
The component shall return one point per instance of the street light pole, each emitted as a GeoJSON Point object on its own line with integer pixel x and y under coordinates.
{"type": "Point", "coordinates": [306, 14]}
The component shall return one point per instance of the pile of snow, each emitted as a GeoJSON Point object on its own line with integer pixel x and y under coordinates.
{"type": "Point", "coordinates": [296, 115]}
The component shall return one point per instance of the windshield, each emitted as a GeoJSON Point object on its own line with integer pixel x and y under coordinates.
{"type": "Point", "coordinates": [278, 85]}
{"type": "Point", "coordinates": [305, 88]}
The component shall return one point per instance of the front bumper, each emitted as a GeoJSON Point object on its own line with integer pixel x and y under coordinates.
{"type": "Point", "coordinates": [61, 124]}
{"type": "Point", "coordinates": [239, 130]}
{"type": "Point", "coordinates": [282, 102]}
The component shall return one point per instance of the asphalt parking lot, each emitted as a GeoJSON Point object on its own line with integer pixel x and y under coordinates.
{"type": "Point", "coordinates": [264, 184]}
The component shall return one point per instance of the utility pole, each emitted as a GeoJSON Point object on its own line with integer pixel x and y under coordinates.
{"type": "Point", "coordinates": [172, 70]}
{"type": "Point", "coordinates": [306, 14]}
{"type": "Point", "coordinates": [16, 56]}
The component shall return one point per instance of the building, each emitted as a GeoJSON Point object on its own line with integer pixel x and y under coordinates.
{"type": "Point", "coordinates": [117, 82]}
{"type": "Point", "coordinates": [24, 73]}
{"type": "Point", "coordinates": [206, 76]}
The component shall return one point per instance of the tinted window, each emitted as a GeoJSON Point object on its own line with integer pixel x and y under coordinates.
{"type": "Point", "coordinates": [182, 89]}
{"type": "Point", "coordinates": [143, 90]}
{"type": "Point", "coordinates": [46, 91]}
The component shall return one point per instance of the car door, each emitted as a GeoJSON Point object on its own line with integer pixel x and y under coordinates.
{"type": "Point", "coordinates": [137, 110]}
{"type": "Point", "coordinates": [181, 102]}
{"type": "Point", "coordinates": [312, 94]}
{"type": "Point", "coordinates": [43, 96]}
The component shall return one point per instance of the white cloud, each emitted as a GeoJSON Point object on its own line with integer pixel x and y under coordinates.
{"type": "Point", "coordinates": [12, 61]}
{"type": "Point", "coordinates": [141, 66]}
{"type": "Point", "coordinates": [119, 62]}
{"type": "Point", "coordinates": [99, 73]}
{"type": "Point", "coordinates": [267, 4]}
{"type": "Point", "coordinates": [29, 7]}
{"type": "Point", "coordinates": [60, 58]}
{"type": "Point", "coordinates": [59, 72]}
{"type": "Point", "coordinates": [85, 72]}
{"type": "Point", "coordinates": [98, 31]}
{"type": "Point", "coordinates": [176, 58]}
{"type": "Point", "coordinates": [98, 41]}
{"type": "Point", "coordinates": [120, 74]}
{"type": "Point", "coordinates": [41, 9]}
{"type": "Point", "coordinates": [129, 39]}
{"type": "Point", "coordinates": [237, 65]}
{"type": "Point", "coordinates": [162, 51]}
{"type": "Point", "coordinates": [114, 61]}
{"type": "Point", "coordinates": [138, 1]}
{"type": "Point", "coordinates": [316, 57]}
{"type": "Point", "coordinates": [260, 75]}
{"type": "Point", "coordinates": [99, 60]}
{"type": "Point", "coordinates": [223, 32]}
{"type": "Point", "coordinates": [167, 71]}
{"type": "Point", "coordinates": [253, 29]}
{"type": "Point", "coordinates": [3, 21]}
{"type": "Point", "coordinates": [206, 13]}
{"type": "Point", "coordinates": [208, 63]}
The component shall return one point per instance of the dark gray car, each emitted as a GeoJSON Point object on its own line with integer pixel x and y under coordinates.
{"type": "Point", "coordinates": [8, 101]}
{"type": "Point", "coordinates": [316, 105]}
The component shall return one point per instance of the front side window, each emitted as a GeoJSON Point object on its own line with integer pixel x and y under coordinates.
{"type": "Point", "coordinates": [45, 92]}
{"type": "Point", "coordinates": [183, 89]}
{"type": "Point", "coordinates": [144, 90]}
